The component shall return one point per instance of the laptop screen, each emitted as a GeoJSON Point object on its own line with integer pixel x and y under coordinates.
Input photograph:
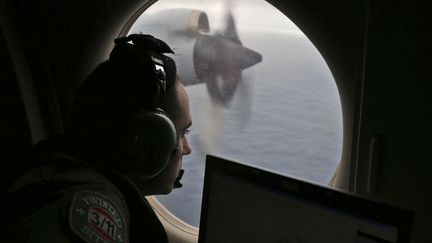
{"type": "Point", "coordinates": [243, 203]}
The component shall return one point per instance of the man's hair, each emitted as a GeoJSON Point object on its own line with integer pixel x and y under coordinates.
{"type": "Point", "coordinates": [120, 87]}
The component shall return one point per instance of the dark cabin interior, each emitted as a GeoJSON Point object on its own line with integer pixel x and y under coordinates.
{"type": "Point", "coordinates": [379, 53]}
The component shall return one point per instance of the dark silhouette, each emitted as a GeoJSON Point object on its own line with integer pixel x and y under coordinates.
{"type": "Point", "coordinates": [125, 139]}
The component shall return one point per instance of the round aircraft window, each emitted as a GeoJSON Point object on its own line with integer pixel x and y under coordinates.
{"type": "Point", "coordinates": [260, 92]}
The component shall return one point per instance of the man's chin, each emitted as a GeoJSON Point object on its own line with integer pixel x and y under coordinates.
{"type": "Point", "coordinates": [166, 190]}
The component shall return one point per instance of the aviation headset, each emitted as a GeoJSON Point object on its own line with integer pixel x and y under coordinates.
{"type": "Point", "coordinates": [131, 88]}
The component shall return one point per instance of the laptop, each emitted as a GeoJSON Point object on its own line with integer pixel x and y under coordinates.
{"type": "Point", "coordinates": [245, 203]}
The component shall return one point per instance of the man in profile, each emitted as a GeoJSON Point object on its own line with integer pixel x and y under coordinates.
{"type": "Point", "coordinates": [125, 140]}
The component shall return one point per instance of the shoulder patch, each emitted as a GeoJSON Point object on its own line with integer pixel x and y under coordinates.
{"type": "Point", "coordinates": [95, 218]}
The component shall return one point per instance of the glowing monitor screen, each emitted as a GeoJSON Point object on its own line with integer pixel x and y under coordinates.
{"type": "Point", "coordinates": [242, 203]}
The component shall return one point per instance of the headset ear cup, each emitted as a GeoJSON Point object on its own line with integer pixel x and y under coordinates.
{"type": "Point", "coordinates": [153, 140]}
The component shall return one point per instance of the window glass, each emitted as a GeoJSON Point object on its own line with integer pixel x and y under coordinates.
{"type": "Point", "coordinates": [274, 104]}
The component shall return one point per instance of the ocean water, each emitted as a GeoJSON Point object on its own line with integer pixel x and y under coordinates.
{"type": "Point", "coordinates": [286, 116]}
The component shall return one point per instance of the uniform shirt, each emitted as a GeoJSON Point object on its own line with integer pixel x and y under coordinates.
{"type": "Point", "coordinates": [64, 200]}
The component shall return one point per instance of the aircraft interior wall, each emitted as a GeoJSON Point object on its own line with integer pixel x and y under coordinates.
{"type": "Point", "coordinates": [396, 111]}
{"type": "Point", "coordinates": [15, 135]}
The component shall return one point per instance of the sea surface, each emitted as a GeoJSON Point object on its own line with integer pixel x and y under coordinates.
{"type": "Point", "coordinates": [286, 116]}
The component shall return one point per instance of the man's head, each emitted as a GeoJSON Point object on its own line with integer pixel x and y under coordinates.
{"type": "Point", "coordinates": [117, 121]}
{"type": "Point", "coordinates": [177, 108]}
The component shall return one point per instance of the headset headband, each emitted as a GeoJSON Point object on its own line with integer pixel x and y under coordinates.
{"type": "Point", "coordinates": [147, 53]}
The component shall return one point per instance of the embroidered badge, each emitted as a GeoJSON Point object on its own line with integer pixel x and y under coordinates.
{"type": "Point", "coordinates": [96, 219]}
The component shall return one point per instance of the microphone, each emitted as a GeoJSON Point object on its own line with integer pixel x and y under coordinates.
{"type": "Point", "coordinates": [177, 183]}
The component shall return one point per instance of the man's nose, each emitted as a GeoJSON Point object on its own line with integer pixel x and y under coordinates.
{"type": "Point", "coordinates": [186, 147]}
